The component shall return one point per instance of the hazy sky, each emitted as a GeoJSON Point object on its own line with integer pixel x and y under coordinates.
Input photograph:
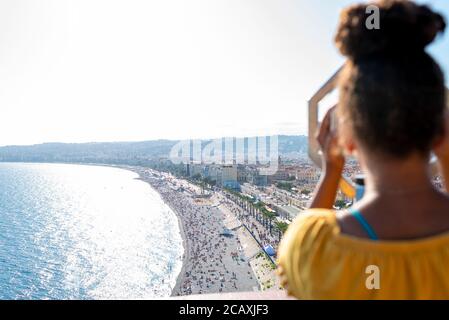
{"type": "Point", "coordinates": [105, 70]}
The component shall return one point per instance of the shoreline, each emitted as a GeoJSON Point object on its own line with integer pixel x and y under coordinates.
{"type": "Point", "coordinates": [185, 258]}
{"type": "Point", "coordinates": [185, 255]}
{"type": "Point", "coordinates": [185, 244]}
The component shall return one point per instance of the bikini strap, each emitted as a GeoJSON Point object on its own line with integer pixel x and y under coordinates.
{"type": "Point", "coordinates": [365, 225]}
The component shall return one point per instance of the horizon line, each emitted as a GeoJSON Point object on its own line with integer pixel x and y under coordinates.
{"type": "Point", "coordinates": [150, 140]}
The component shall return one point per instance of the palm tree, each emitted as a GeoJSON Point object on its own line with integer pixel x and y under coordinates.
{"type": "Point", "coordinates": [281, 227]}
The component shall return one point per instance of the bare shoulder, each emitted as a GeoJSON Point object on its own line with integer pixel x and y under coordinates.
{"type": "Point", "coordinates": [401, 220]}
{"type": "Point", "coordinates": [349, 225]}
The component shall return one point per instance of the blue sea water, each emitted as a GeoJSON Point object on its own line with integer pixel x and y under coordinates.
{"type": "Point", "coordinates": [84, 232]}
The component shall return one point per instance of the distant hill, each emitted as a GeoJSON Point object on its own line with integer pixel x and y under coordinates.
{"type": "Point", "coordinates": [120, 152]}
{"type": "Point", "coordinates": [293, 145]}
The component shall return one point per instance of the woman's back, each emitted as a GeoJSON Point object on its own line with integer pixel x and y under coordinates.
{"type": "Point", "coordinates": [323, 263]}
{"type": "Point", "coordinates": [420, 214]}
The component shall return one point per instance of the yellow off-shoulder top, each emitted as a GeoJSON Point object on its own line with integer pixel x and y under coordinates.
{"type": "Point", "coordinates": [318, 262]}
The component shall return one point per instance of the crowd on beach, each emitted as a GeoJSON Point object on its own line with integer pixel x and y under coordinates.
{"type": "Point", "coordinates": [214, 260]}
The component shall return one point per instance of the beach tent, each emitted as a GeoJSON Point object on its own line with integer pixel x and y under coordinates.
{"type": "Point", "coordinates": [269, 250]}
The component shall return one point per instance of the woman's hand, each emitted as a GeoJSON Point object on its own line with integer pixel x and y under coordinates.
{"type": "Point", "coordinates": [332, 155]}
{"type": "Point", "coordinates": [333, 163]}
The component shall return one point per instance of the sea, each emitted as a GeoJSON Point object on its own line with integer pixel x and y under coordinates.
{"type": "Point", "coordinates": [84, 232]}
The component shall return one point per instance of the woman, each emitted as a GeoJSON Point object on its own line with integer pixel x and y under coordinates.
{"type": "Point", "coordinates": [394, 242]}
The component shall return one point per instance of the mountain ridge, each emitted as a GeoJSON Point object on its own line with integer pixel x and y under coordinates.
{"type": "Point", "coordinates": [128, 152]}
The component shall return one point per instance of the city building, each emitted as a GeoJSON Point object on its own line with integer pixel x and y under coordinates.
{"type": "Point", "coordinates": [309, 174]}
{"type": "Point", "coordinates": [229, 177]}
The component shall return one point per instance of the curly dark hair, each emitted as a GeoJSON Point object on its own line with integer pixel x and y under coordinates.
{"type": "Point", "coordinates": [392, 90]}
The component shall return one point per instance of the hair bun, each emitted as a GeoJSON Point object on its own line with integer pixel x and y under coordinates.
{"type": "Point", "coordinates": [404, 27]}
